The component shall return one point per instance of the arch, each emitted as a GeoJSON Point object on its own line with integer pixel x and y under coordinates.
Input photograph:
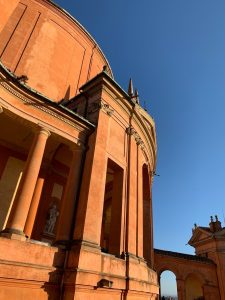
{"type": "Point", "coordinates": [168, 284]}
{"type": "Point", "coordinates": [112, 208]}
{"type": "Point", "coordinates": [194, 287]}
{"type": "Point", "coordinates": [198, 275]}
{"type": "Point", "coordinates": [51, 195]}
{"type": "Point", "coordinates": [170, 268]}
{"type": "Point", "coordinates": [147, 213]}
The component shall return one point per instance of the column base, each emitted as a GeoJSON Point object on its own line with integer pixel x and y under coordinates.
{"type": "Point", "coordinates": [13, 234]}
{"type": "Point", "coordinates": [62, 244]}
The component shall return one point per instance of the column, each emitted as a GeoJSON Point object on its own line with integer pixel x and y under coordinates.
{"type": "Point", "coordinates": [27, 185]}
{"type": "Point", "coordinates": [180, 289]}
{"type": "Point", "coordinates": [34, 207]}
{"type": "Point", "coordinates": [67, 211]}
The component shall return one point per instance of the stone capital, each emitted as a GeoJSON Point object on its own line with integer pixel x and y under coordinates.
{"type": "Point", "coordinates": [106, 108]}
{"type": "Point", "coordinates": [131, 131]}
{"type": "Point", "coordinates": [44, 131]}
{"type": "Point", "coordinates": [100, 105]}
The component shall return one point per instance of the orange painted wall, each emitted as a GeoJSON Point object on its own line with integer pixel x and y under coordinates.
{"type": "Point", "coordinates": [42, 42]}
{"type": "Point", "coordinates": [7, 7]}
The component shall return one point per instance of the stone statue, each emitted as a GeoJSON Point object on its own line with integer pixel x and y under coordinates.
{"type": "Point", "coordinates": [50, 224]}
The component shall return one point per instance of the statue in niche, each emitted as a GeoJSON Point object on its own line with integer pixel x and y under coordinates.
{"type": "Point", "coordinates": [51, 221]}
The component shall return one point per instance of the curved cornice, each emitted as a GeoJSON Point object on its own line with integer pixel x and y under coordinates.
{"type": "Point", "coordinates": [11, 83]}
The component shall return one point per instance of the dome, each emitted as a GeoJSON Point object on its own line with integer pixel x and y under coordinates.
{"type": "Point", "coordinates": [43, 42]}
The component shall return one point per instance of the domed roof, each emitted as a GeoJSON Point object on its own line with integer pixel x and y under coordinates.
{"type": "Point", "coordinates": [40, 40]}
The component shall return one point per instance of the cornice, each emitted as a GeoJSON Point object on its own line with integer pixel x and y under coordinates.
{"type": "Point", "coordinates": [183, 256]}
{"type": "Point", "coordinates": [132, 132]}
{"type": "Point", "coordinates": [100, 105]}
{"type": "Point", "coordinates": [30, 97]}
{"type": "Point", "coordinates": [103, 82]}
{"type": "Point", "coordinates": [52, 112]}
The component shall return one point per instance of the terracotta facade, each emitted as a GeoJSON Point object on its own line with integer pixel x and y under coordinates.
{"type": "Point", "coordinates": [199, 276]}
{"type": "Point", "coordinates": [77, 159]}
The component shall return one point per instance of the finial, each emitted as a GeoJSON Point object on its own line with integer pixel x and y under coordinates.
{"type": "Point", "coordinates": [195, 225]}
{"type": "Point", "coordinates": [137, 96]}
{"type": "Point", "coordinates": [211, 218]}
{"type": "Point", "coordinates": [145, 106]}
{"type": "Point", "coordinates": [130, 88]}
{"type": "Point", "coordinates": [216, 217]}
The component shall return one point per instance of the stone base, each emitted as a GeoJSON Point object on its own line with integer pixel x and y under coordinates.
{"type": "Point", "coordinates": [13, 234]}
{"type": "Point", "coordinates": [84, 293]}
{"type": "Point", "coordinates": [29, 270]}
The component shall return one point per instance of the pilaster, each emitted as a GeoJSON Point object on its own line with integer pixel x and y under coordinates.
{"type": "Point", "coordinates": [180, 289]}
{"type": "Point", "coordinates": [91, 200]}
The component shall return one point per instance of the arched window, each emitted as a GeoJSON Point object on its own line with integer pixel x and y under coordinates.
{"type": "Point", "coordinates": [147, 211]}
{"type": "Point", "coordinates": [112, 210]}
{"type": "Point", "coordinates": [168, 286]}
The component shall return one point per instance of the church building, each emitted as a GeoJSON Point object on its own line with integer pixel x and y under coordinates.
{"type": "Point", "coordinates": [77, 161]}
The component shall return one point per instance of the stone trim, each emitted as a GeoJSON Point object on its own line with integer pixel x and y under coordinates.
{"type": "Point", "coordinates": [38, 106]}
{"type": "Point", "coordinates": [131, 131]}
{"type": "Point", "coordinates": [44, 131]}
{"type": "Point", "coordinates": [184, 256]}
{"type": "Point", "coordinates": [95, 106]}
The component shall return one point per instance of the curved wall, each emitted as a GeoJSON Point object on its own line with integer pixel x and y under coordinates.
{"type": "Point", "coordinates": [54, 51]}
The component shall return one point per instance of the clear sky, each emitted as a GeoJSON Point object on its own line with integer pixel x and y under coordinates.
{"type": "Point", "coordinates": [175, 52]}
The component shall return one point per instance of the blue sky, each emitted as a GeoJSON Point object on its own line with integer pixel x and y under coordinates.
{"type": "Point", "coordinates": [175, 52]}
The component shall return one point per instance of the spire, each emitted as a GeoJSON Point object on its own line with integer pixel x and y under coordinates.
{"type": "Point", "coordinates": [130, 88]}
{"type": "Point", "coordinates": [195, 227]}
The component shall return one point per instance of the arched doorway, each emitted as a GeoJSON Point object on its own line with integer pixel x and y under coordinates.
{"type": "Point", "coordinates": [168, 286]}
{"type": "Point", "coordinates": [193, 288]}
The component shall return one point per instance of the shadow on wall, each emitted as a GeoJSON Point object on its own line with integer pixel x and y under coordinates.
{"type": "Point", "coordinates": [53, 287]}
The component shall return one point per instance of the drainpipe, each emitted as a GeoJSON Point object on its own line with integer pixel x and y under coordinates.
{"type": "Point", "coordinates": [126, 254]}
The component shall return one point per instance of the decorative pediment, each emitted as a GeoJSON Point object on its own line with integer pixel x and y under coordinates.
{"type": "Point", "coordinates": [199, 235]}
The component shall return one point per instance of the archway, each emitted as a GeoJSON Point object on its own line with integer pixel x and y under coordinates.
{"type": "Point", "coordinates": [193, 288]}
{"type": "Point", "coordinates": [168, 286]}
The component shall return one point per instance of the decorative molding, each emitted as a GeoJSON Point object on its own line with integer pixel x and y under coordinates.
{"type": "Point", "coordinates": [38, 106]}
{"type": "Point", "coordinates": [100, 105]}
{"type": "Point", "coordinates": [131, 131]}
{"type": "Point", "coordinates": [45, 131]}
